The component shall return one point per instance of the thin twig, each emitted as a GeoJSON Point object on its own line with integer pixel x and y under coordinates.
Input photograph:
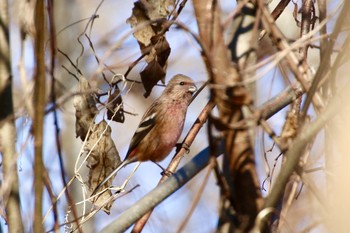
{"type": "Point", "coordinates": [53, 47]}
{"type": "Point", "coordinates": [296, 148]}
{"type": "Point", "coordinates": [323, 66]}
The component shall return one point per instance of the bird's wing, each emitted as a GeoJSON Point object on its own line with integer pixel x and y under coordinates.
{"type": "Point", "coordinates": [145, 126]}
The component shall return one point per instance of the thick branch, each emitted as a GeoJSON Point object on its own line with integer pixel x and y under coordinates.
{"type": "Point", "coordinates": [239, 163]}
{"type": "Point", "coordinates": [7, 128]}
{"type": "Point", "coordinates": [38, 122]}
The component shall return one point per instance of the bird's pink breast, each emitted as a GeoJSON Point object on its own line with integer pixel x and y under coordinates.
{"type": "Point", "coordinates": [165, 134]}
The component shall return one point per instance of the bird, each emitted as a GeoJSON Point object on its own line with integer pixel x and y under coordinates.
{"type": "Point", "coordinates": [160, 126]}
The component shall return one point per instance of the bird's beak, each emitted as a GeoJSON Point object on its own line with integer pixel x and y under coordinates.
{"type": "Point", "coordinates": [192, 88]}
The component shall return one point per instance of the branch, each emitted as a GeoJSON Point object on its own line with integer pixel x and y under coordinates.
{"type": "Point", "coordinates": [231, 100]}
{"type": "Point", "coordinates": [298, 66]}
{"type": "Point", "coordinates": [39, 103]}
{"type": "Point", "coordinates": [53, 49]}
{"type": "Point", "coordinates": [296, 148]}
{"type": "Point", "coordinates": [160, 193]}
{"type": "Point", "coordinates": [322, 69]}
{"type": "Point", "coordinates": [8, 128]}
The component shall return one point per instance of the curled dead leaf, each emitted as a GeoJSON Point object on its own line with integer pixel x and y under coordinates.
{"type": "Point", "coordinates": [150, 76]}
{"type": "Point", "coordinates": [103, 159]}
{"type": "Point", "coordinates": [161, 50]}
{"type": "Point", "coordinates": [115, 109]}
{"type": "Point", "coordinates": [85, 108]}
{"type": "Point", "coordinates": [151, 38]}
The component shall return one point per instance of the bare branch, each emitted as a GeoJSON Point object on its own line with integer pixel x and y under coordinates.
{"type": "Point", "coordinates": [9, 191]}
{"type": "Point", "coordinates": [39, 112]}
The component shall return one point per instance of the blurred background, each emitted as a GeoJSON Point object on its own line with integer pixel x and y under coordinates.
{"type": "Point", "coordinates": [110, 30]}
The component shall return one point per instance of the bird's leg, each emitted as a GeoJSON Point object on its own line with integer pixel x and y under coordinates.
{"type": "Point", "coordinates": [178, 147]}
{"type": "Point", "coordinates": [164, 170]}
{"type": "Point", "coordinates": [186, 147]}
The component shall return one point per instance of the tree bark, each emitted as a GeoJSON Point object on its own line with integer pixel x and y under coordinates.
{"type": "Point", "coordinates": [239, 162]}
{"type": "Point", "coordinates": [39, 111]}
{"type": "Point", "coordinates": [7, 128]}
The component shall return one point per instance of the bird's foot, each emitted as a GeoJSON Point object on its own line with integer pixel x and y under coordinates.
{"type": "Point", "coordinates": [164, 171]}
{"type": "Point", "coordinates": [184, 145]}
{"type": "Point", "coordinates": [167, 173]}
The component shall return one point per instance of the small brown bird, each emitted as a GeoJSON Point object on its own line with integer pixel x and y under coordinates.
{"type": "Point", "coordinates": [161, 125]}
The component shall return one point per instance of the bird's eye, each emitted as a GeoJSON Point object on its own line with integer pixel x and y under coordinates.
{"type": "Point", "coordinates": [182, 83]}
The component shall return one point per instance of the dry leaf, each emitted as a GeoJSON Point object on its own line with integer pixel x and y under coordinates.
{"type": "Point", "coordinates": [103, 159]}
{"type": "Point", "coordinates": [144, 34]}
{"type": "Point", "coordinates": [115, 109]}
{"type": "Point", "coordinates": [85, 108]}
{"type": "Point", "coordinates": [159, 8]}
{"type": "Point", "coordinates": [161, 50]}
{"type": "Point", "coordinates": [145, 11]}
{"type": "Point", "coordinates": [151, 38]}
{"type": "Point", "coordinates": [150, 76]}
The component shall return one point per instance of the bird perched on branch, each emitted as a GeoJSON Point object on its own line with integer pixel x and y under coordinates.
{"type": "Point", "coordinates": [160, 126]}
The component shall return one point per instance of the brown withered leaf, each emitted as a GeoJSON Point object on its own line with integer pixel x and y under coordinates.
{"type": "Point", "coordinates": [103, 159]}
{"type": "Point", "coordinates": [85, 108]}
{"type": "Point", "coordinates": [159, 8]}
{"type": "Point", "coordinates": [151, 39]}
{"type": "Point", "coordinates": [150, 76]}
{"type": "Point", "coordinates": [115, 109]}
{"type": "Point", "coordinates": [161, 50]}
{"type": "Point", "coordinates": [155, 70]}
{"type": "Point", "coordinates": [145, 11]}
{"type": "Point", "coordinates": [139, 16]}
